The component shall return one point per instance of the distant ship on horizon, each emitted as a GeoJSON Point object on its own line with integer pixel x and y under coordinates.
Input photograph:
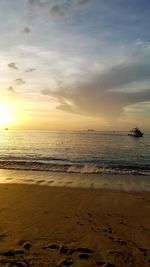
{"type": "Point", "coordinates": [91, 130]}
{"type": "Point", "coordinates": [135, 132]}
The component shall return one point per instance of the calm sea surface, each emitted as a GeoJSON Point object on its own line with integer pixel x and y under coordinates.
{"type": "Point", "coordinates": [83, 152]}
{"type": "Point", "coordinates": [76, 159]}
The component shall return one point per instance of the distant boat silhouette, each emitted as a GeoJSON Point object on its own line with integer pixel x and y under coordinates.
{"type": "Point", "coordinates": [6, 129]}
{"type": "Point", "coordinates": [90, 130]}
{"type": "Point", "coordinates": [135, 132]}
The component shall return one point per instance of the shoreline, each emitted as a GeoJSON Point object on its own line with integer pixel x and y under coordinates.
{"type": "Point", "coordinates": [127, 183]}
{"type": "Point", "coordinates": [56, 226]}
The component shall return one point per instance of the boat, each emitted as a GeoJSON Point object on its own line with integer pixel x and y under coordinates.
{"type": "Point", "coordinates": [90, 130]}
{"type": "Point", "coordinates": [135, 132]}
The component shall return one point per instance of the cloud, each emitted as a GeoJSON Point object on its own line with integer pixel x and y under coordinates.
{"type": "Point", "coordinates": [141, 107]}
{"type": "Point", "coordinates": [39, 3]}
{"type": "Point", "coordinates": [32, 2]}
{"type": "Point", "coordinates": [26, 30]}
{"type": "Point", "coordinates": [30, 70]}
{"type": "Point", "coordinates": [19, 81]}
{"type": "Point", "coordinates": [82, 2]}
{"type": "Point", "coordinates": [107, 94]}
{"type": "Point", "coordinates": [11, 89]}
{"type": "Point", "coordinates": [13, 65]}
{"type": "Point", "coordinates": [58, 10]}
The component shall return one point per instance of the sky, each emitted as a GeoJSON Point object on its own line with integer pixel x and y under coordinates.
{"type": "Point", "coordinates": [75, 64]}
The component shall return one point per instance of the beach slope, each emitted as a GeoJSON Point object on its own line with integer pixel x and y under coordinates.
{"type": "Point", "coordinates": [49, 226]}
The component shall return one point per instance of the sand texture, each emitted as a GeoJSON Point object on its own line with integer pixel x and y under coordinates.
{"type": "Point", "coordinates": [49, 226]}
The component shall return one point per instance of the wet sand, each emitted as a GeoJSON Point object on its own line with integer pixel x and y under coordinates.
{"type": "Point", "coordinates": [54, 226]}
{"type": "Point", "coordinates": [128, 183]}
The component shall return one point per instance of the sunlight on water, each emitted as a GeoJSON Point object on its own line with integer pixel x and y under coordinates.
{"type": "Point", "coordinates": [75, 152]}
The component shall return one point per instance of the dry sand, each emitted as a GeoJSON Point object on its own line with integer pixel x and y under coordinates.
{"type": "Point", "coordinates": [49, 226]}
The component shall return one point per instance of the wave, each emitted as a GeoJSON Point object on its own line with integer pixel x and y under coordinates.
{"type": "Point", "coordinates": [74, 168]}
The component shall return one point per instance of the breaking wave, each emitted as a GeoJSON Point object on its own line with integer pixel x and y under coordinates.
{"type": "Point", "coordinates": [74, 167]}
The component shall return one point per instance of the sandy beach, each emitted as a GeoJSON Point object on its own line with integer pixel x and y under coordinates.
{"type": "Point", "coordinates": [51, 226]}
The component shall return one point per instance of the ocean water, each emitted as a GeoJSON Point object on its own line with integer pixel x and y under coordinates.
{"type": "Point", "coordinates": [95, 159]}
{"type": "Point", "coordinates": [75, 152]}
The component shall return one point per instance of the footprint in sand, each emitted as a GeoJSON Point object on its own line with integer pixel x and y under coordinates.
{"type": "Point", "coordinates": [84, 256]}
{"type": "Point", "coordinates": [51, 246]}
{"type": "Point", "coordinates": [105, 264]}
{"type": "Point", "coordinates": [66, 217]}
{"type": "Point", "coordinates": [121, 241]}
{"type": "Point", "coordinates": [2, 237]}
{"type": "Point", "coordinates": [84, 250]}
{"type": "Point", "coordinates": [84, 253]}
{"type": "Point", "coordinates": [108, 230]}
{"type": "Point", "coordinates": [12, 253]}
{"type": "Point", "coordinates": [65, 262]}
{"type": "Point", "coordinates": [61, 249]}
{"type": "Point", "coordinates": [45, 211]}
{"type": "Point", "coordinates": [64, 249]}
{"type": "Point", "coordinates": [79, 223]}
{"type": "Point", "coordinates": [25, 244]}
{"type": "Point", "coordinates": [13, 263]}
{"type": "Point", "coordinates": [123, 223]}
{"type": "Point", "coordinates": [124, 256]}
{"type": "Point", "coordinates": [144, 251]}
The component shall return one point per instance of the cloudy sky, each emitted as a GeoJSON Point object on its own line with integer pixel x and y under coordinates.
{"type": "Point", "coordinates": [75, 64]}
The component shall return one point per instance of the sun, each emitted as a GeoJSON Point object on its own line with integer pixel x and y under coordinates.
{"type": "Point", "coordinates": [5, 114]}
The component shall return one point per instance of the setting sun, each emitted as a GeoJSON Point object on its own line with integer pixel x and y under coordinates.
{"type": "Point", "coordinates": [5, 114]}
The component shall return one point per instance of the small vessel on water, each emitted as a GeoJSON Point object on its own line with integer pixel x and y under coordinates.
{"type": "Point", "coordinates": [135, 132]}
{"type": "Point", "coordinates": [90, 130]}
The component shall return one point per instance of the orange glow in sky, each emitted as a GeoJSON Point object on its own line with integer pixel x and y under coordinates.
{"type": "Point", "coordinates": [72, 65]}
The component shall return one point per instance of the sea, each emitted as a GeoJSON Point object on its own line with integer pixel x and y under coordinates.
{"type": "Point", "coordinates": [76, 158]}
